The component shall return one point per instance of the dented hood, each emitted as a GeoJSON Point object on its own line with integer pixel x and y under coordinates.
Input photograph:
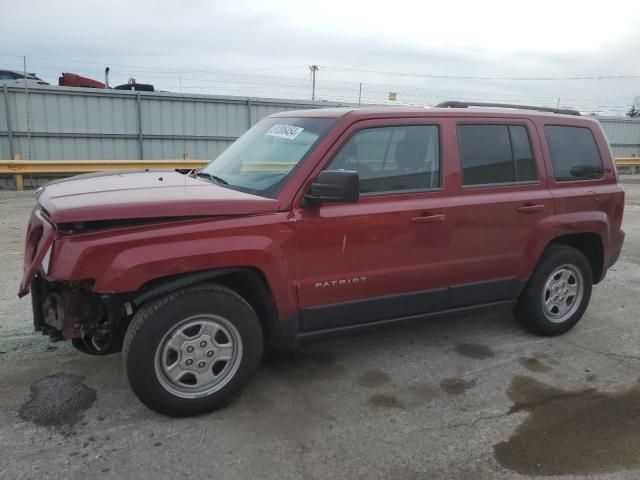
{"type": "Point", "coordinates": [144, 194]}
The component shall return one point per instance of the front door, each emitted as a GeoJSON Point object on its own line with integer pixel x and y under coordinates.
{"type": "Point", "coordinates": [385, 256]}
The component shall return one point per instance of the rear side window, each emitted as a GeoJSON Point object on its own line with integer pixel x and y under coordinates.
{"type": "Point", "coordinates": [574, 153]}
{"type": "Point", "coordinates": [495, 154]}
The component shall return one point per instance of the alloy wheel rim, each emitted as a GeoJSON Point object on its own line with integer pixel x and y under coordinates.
{"type": "Point", "coordinates": [562, 293]}
{"type": "Point", "coordinates": [199, 356]}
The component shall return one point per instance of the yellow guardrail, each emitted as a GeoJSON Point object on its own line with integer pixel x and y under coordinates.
{"type": "Point", "coordinates": [633, 163]}
{"type": "Point", "coordinates": [19, 168]}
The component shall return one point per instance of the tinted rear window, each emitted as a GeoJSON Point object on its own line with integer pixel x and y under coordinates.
{"type": "Point", "coordinates": [574, 153]}
{"type": "Point", "coordinates": [495, 154]}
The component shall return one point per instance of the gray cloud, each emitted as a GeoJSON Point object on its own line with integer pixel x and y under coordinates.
{"type": "Point", "coordinates": [193, 40]}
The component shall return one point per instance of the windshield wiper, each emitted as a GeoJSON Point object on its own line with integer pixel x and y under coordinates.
{"type": "Point", "coordinates": [200, 173]}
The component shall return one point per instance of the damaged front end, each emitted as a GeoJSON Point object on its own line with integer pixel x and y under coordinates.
{"type": "Point", "coordinates": [69, 310]}
{"type": "Point", "coordinates": [95, 323]}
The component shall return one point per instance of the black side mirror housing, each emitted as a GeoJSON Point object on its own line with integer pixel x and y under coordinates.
{"type": "Point", "coordinates": [333, 186]}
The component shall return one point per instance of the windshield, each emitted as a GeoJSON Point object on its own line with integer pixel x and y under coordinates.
{"type": "Point", "coordinates": [261, 159]}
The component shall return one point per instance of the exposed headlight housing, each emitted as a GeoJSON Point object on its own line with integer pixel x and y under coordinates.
{"type": "Point", "coordinates": [46, 260]}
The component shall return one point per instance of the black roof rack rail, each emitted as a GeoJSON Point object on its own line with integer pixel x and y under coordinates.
{"type": "Point", "coordinates": [456, 104]}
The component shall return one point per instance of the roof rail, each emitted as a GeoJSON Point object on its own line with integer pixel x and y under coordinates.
{"type": "Point", "coordinates": [455, 104]}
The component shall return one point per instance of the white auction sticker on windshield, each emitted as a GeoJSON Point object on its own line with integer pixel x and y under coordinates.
{"type": "Point", "coordinates": [285, 131]}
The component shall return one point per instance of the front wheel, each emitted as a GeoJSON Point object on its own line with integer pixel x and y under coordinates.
{"type": "Point", "coordinates": [193, 350]}
{"type": "Point", "coordinates": [557, 293]}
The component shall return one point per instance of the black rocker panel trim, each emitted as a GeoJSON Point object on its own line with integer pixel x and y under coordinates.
{"type": "Point", "coordinates": [379, 309]}
{"type": "Point", "coordinates": [372, 309]}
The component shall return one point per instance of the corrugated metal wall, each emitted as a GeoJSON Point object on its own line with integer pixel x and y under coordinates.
{"type": "Point", "coordinates": [84, 124]}
{"type": "Point", "coordinates": [87, 124]}
{"type": "Point", "coordinates": [623, 135]}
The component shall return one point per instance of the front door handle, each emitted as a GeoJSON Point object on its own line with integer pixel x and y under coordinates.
{"type": "Point", "coordinates": [429, 218]}
{"type": "Point", "coordinates": [530, 208]}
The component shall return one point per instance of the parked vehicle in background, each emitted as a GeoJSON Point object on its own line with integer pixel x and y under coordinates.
{"type": "Point", "coordinates": [318, 222]}
{"type": "Point", "coordinates": [14, 78]}
{"type": "Point", "coordinates": [133, 85]}
{"type": "Point", "coordinates": [75, 80]}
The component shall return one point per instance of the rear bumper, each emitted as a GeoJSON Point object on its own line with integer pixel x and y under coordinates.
{"type": "Point", "coordinates": [616, 247]}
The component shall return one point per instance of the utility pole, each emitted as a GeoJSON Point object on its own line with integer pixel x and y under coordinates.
{"type": "Point", "coordinates": [28, 104]}
{"type": "Point", "coordinates": [360, 94]}
{"type": "Point", "coordinates": [313, 69]}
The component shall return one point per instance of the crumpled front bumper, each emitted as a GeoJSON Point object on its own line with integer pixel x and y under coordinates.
{"type": "Point", "coordinates": [40, 236]}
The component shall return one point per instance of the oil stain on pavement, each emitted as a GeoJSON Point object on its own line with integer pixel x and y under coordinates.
{"type": "Point", "coordinates": [456, 386]}
{"type": "Point", "coordinates": [58, 400]}
{"type": "Point", "coordinates": [534, 365]}
{"type": "Point", "coordinates": [474, 350]}
{"type": "Point", "coordinates": [303, 365]}
{"type": "Point", "coordinates": [571, 432]}
{"type": "Point", "coordinates": [373, 378]}
{"type": "Point", "coordinates": [385, 401]}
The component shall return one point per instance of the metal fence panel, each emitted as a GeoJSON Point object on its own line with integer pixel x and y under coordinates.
{"type": "Point", "coordinates": [4, 148]}
{"type": "Point", "coordinates": [52, 122]}
{"type": "Point", "coordinates": [84, 124]}
{"type": "Point", "coordinates": [623, 135]}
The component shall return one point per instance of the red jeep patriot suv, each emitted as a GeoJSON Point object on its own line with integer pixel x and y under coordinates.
{"type": "Point", "coordinates": [318, 222]}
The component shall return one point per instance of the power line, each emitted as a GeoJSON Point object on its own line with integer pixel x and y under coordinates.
{"type": "Point", "coordinates": [155, 68]}
{"type": "Point", "coordinates": [346, 90]}
{"type": "Point", "coordinates": [480, 77]}
{"type": "Point", "coordinates": [353, 86]}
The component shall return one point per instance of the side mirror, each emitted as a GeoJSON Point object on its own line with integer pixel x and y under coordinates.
{"type": "Point", "coordinates": [333, 186]}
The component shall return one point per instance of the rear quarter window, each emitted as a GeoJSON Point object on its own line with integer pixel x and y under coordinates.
{"type": "Point", "coordinates": [574, 153]}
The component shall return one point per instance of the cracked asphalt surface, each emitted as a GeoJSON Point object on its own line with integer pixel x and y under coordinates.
{"type": "Point", "coordinates": [472, 397]}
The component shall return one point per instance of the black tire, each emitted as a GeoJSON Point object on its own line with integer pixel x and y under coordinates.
{"type": "Point", "coordinates": [529, 309]}
{"type": "Point", "coordinates": [153, 322]}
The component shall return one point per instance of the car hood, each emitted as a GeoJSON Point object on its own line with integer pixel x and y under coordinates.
{"type": "Point", "coordinates": [144, 194]}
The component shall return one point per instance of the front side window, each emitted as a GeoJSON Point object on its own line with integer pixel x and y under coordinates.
{"type": "Point", "coordinates": [392, 159]}
{"type": "Point", "coordinates": [574, 153]}
{"type": "Point", "coordinates": [495, 154]}
{"type": "Point", "coordinates": [260, 160]}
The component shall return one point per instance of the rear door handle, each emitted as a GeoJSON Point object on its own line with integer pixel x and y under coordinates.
{"type": "Point", "coordinates": [529, 208]}
{"type": "Point", "coordinates": [429, 218]}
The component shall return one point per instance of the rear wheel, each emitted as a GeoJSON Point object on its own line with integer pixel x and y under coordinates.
{"type": "Point", "coordinates": [557, 293]}
{"type": "Point", "coordinates": [193, 350]}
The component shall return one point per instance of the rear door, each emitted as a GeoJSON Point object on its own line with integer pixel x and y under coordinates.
{"type": "Point", "coordinates": [501, 198]}
{"type": "Point", "coordinates": [584, 180]}
{"type": "Point", "coordinates": [385, 256]}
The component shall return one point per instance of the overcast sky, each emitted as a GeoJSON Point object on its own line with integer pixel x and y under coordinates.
{"type": "Point", "coordinates": [263, 48]}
